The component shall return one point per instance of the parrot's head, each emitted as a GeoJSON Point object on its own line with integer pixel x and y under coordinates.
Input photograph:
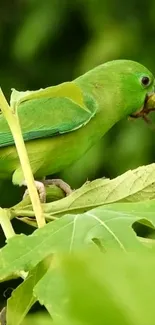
{"type": "Point", "coordinates": [145, 84]}
{"type": "Point", "coordinates": [134, 84]}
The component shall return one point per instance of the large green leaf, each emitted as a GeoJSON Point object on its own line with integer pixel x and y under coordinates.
{"type": "Point", "coordinates": [112, 288]}
{"type": "Point", "coordinates": [104, 227]}
{"type": "Point", "coordinates": [132, 186]}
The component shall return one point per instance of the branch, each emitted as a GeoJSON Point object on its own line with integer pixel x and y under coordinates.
{"type": "Point", "coordinates": [13, 122]}
{"type": "Point", "coordinates": [6, 224]}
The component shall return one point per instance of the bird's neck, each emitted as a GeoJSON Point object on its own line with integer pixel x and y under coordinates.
{"type": "Point", "coordinates": [109, 104]}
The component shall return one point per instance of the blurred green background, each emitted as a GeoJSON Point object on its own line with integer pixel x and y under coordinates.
{"type": "Point", "coordinates": [44, 43]}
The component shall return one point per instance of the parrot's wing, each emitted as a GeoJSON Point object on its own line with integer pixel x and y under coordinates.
{"type": "Point", "coordinates": [46, 113]}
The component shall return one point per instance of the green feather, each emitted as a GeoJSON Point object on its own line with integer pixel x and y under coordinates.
{"type": "Point", "coordinates": [49, 116]}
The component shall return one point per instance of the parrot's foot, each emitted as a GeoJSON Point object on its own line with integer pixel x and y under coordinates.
{"type": "Point", "coordinates": [60, 183]}
{"type": "Point", "coordinates": [40, 188]}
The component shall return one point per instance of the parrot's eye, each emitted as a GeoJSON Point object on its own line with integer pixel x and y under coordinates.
{"type": "Point", "coordinates": [145, 81]}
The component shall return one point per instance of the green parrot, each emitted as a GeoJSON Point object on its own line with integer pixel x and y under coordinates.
{"type": "Point", "coordinates": [60, 123]}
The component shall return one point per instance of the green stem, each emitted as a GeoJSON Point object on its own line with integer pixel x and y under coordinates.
{"type": "Point", "coordinates": [14, 125]}
{"type": "Point", "coordinates": [6, 224]}
{"type": "Point", "coordinates": [9, 232]}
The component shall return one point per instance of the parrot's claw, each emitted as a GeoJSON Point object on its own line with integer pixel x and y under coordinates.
{"type": "Point", "coordinates": [60, 183]}
{"type": "Point", "coordinates": [41, 191]}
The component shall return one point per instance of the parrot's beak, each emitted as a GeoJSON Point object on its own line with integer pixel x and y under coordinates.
{"type": "Point", "coordinates": [149, 106]}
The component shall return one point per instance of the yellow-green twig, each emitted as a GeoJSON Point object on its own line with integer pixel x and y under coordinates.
{"type": "Point", "coordinates": [6, 224]}
{"type": "Point", "coordinates": [9, 232]}
{"type": "Point", "coordinates": [13, 122]}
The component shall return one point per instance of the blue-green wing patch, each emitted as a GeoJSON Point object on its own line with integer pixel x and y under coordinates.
{"type": "Point", "coordinates": [49, 116]}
